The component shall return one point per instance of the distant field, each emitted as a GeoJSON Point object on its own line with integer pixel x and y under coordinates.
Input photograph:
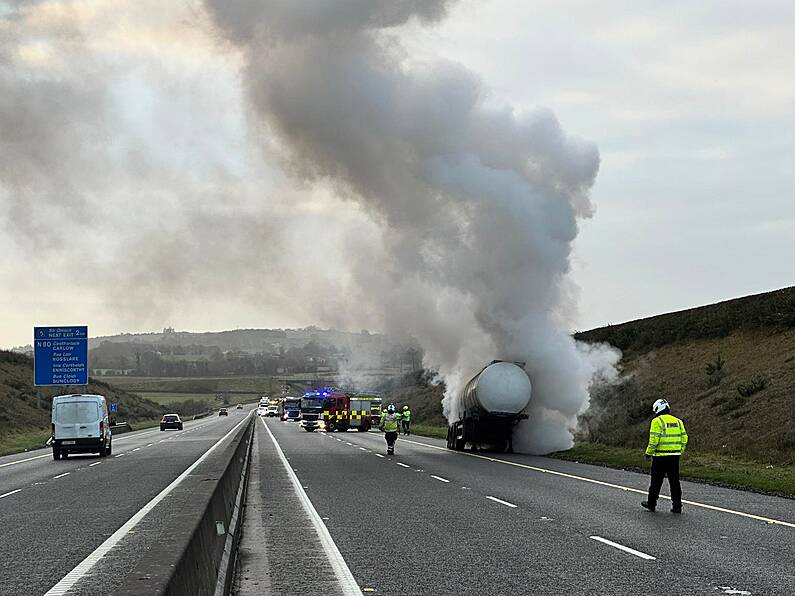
{"type": "Point", "coordinates": [196, 385]}
{"type": "Point", "coordinates": [168, 398]}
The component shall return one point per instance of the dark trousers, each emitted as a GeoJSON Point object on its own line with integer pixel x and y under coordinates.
{"type": "Point", "coordinates": [391, 437]}
{"type": "Point", "coordinates": [406, 426]}
{"type": "Point", "coordinates": [662, 466]}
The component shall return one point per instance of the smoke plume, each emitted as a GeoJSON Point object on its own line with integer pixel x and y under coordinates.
{"type": "Point", "coordinates": [292, 163]}
{"type": "Point", "coordinates": [476, 204]}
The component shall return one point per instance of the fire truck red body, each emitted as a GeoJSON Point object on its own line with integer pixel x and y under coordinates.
{"type": "Point", "coordinates": [343, 411]}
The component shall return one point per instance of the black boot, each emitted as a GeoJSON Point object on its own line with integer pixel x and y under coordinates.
{"type": "Point", "coordinates": [649, 506]}
{"type": "Point", "coordinates": [676, 508]}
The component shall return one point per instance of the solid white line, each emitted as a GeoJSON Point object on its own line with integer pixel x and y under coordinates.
{"type": "Point", "coordinates": [501, 502]}
{"type": "Point", "coordinates": [403, 465]}
{"type": "Point", "coordinates": [440, 478]}
{"type": "Point", "coordinates": [76, 574]}
{"type": "Point", "coordinates": [22, 461]}
{"type": "Point", "coordinates": [378, 455]}
{"type": "Point", "coordinates": [626, 549]}
{"type": "Point", "coordinates": [602, 483]}
{"type": "Point", "coordinates": [61, 475]}
{"type": "Point", "coordinates": [13, 492]}
{"type": "Point", "coordinates": [341, 570]}
{"type": "Point", "coordinates": [96, 463]}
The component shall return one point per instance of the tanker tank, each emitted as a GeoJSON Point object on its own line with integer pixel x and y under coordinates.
{"type": "Point", "coordinates": [490, 406]}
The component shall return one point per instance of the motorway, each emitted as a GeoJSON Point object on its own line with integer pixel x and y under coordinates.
{"type": "Point", "coordinates": [55, 513]}
{"type": "Point", "coordinates": [433, 521]}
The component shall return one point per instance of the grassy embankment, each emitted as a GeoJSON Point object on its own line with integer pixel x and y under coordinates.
{"type": "Point", "coordinates": [728, 370]}
{"type": "Point", "coordinates": [25, 410]}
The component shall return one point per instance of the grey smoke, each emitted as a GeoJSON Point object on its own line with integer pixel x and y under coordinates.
{"type": "Point", "coordinates": [477, 204]}
{"type": "Point", "coordinates": [393, 194]}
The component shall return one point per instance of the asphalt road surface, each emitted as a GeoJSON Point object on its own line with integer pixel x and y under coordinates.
{"type": "Point", "coordinates": [55, 513]}
{"type": "Point", "coordinates": [433, 521]}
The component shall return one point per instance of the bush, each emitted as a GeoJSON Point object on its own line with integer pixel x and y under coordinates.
{"type": "Point", "coordinates": [755, 385]}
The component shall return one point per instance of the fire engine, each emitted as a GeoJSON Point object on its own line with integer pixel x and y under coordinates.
{"type": "Point", "coordinates": [343, 410]}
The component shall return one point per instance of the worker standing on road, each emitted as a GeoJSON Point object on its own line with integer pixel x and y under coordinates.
{"type": "Point", "coordinates": [667, 442]}
{"type": "Point", "coordinates": [390, 422]}
{"type": "Point", "coordinates": [405, 420]}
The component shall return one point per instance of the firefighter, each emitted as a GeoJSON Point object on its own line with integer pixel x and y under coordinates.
{"type": "Point", "coordinates": [405, 420]}
{"type": "Point", "coordinates": [390, 422]}
{"type": "Point", "coordinates": [667, 442]}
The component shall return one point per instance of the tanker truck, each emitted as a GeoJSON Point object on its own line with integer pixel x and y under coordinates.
{"type": "Point", "coordinates": [489, 406]}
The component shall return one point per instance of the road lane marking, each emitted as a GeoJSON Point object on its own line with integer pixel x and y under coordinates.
{"type": "Point", "coordinates": [76, 574]}
{"type": "Point", "coordinates": [602, 483]}
{"type": "Point", "coordinates": [22, 461]}
{"type": "Point", "coordinates": [402, 465]}
{"type": "Point", "coordinates": [137, 449]}
{"type": "Point", "coordinates": [150, 444]}
{"type": "Point", "coordinates": [626, 549]}
{"type": "Point", "coordinates": [13, 492]}
{"type": "Point", "coordinates": [61, 475]}
{"type": "Point", "coordinates": [378, 455]}
{"type": "Point", "coordinates": [439, 478]}
{"type": "Point", "coordinates": [120, 454]}
{"type": "Point", "coordinates": [363, 449]}
{"type": "Point", "coordinates": [351, 444]}
{"type": "Point", "coordinates": [339, 566]}
{"type": "Point", "coordinates": [501, 502]}
{"type": "Point", "coordinates": [96, 463]}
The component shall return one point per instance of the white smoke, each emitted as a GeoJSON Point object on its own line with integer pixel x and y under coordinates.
{"type": "Point", "coordinates": [476, 204]}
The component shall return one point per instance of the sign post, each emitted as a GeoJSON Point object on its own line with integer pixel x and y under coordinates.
{"type": "Point", "coordinates": [60, 356]}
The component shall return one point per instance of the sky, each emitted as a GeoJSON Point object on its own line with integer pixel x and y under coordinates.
{"type": "Point", "coordinates": [140, 188]}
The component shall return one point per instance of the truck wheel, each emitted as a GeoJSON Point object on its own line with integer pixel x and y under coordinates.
{"type": "Point", "coordinates": [361, 429]}
{"type": "Point", "coordinates": [56, 455]}
{"type": "Point", "coordinates": [103, 451]}
{"type": "Point", "coordinates": [64, 454]}
{"type": "Point", "coordinates": [331, 427]}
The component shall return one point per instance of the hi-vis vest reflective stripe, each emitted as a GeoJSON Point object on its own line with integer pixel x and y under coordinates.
{"type": "Point", "coordinates": [390, 422]}
{"type": "Point", "coordinates": [667, 436]}
{"type": "Point", "coordinates": [406, 415]}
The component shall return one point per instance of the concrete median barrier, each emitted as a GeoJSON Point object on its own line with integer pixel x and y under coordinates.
{"type": "Point", "coordinates": [121, 428]}
{"type": "Point", "coordinates": [195, 554]}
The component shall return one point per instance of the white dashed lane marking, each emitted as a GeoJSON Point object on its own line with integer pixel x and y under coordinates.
{"type": "Point", "coordinates": [439, 478]}
{"type": "Point", "coordinates": [402, 465]}
{"type": "Point", "coordinates": [96, 463]}
{"type": "Point", "coordinates": [501, 502]}
{"type": "Point", "coordinates": [61, 475]}
{"type": "Point", "coordinates": [626, 549]}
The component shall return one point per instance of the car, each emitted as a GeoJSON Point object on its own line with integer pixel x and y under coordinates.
{"type": "Point", "coordinates": [80, 424]}
{"type": "Point", "coordinates": [170, 421]}
{"type": "Point", "coordinates": [239, 406]}
{"type": "Point", "coordinates": [223, 412]}
{"type": "Point", "coordinates": [262, 411]}
{"type": "Point", "coordinates": [272, 411]}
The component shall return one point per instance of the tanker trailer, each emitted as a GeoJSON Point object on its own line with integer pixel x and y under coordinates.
{"type": "Point", "coordinates": [489, 406]}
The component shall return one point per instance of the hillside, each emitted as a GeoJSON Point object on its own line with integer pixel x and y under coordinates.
{"type": "Point", "coordinates": [21, 411]}
{"type": "Point", "coordinates": [728, 369]}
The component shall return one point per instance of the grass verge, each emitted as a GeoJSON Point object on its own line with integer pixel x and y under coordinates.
{"type": "Point", "coordinates": [704, 467]}
{"type": "Point", "coordinates": [427, 430]}
{"type": "Point", "coordinates": [24, 441]}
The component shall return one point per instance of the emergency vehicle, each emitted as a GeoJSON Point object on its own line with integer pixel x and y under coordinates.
{"type": "Point", "coordinates": [343, 410]}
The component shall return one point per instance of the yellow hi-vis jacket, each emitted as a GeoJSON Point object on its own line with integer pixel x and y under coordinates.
{"type": "Point", "coordinates": [389, 422]}
{"type": "Point", "coordinates": [406, 415]}
{"type": "Point", "coordinates": [667, 436]}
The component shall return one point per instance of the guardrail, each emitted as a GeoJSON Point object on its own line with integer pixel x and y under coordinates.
{"type": "Point", "coordinates": [197, 557]}
{"type": "Point", "coordinates": [120, 428]}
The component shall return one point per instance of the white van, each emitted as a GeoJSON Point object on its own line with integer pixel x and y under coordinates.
{"type": "Point", "coordinates": [80, 424]}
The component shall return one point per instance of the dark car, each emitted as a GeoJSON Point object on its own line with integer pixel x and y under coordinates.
{"type": "Point", "coordinates": [223, 412]}
{"type": "Point", "coordinates": [170, 421]}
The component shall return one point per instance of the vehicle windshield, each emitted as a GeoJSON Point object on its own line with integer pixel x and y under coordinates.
{"type": "Point", "coordinates": [170, 418]}
{"type": "Point", "coordinates": [308, 403]}
{"type": "Point", "coordinates": [77, 412]}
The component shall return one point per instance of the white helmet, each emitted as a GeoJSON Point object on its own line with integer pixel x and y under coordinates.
{"type": "Point", "coordinates": [660, 405]}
